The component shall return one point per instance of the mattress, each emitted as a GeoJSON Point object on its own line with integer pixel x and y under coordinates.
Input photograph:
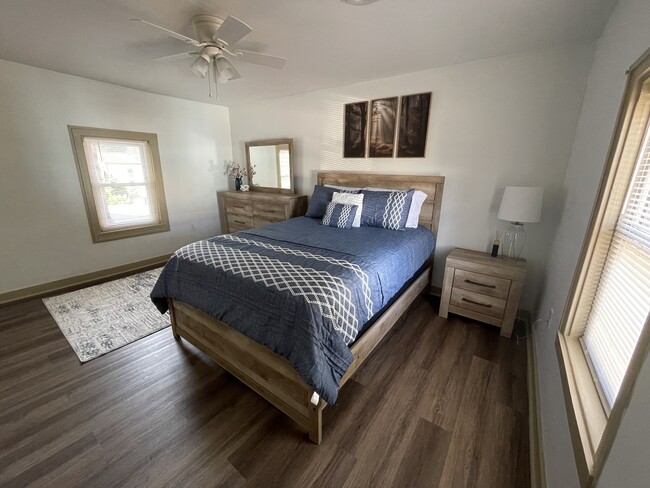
{"type": "Point", "coordinates": [304, 290]}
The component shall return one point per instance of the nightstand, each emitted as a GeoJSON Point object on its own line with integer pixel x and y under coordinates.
{"type": "Point", "coordinates": [483, 288]}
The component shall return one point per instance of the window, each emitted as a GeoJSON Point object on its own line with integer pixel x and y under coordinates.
{"type": "Point", "coordinates": [121, 181]}
{"type": "Point", "coordinates": [622, 299]}
{"type": "Point", "coordinates": [605, 333]}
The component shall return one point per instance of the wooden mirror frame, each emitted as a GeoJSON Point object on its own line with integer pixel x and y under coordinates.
{"type": "Point", "coordinates": [270, 142]}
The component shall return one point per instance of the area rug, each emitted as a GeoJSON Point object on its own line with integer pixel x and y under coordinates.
{"type": "Point", "coordinates": [102, 318]}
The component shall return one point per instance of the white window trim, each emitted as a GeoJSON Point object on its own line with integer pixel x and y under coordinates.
{"type": "Point", "coordinates": [593, 429]}
{"type": "Point", "coordinates": [77, 135]}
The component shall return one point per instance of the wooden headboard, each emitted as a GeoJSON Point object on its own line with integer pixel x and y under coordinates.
{"type": "Point", "coordinates": [431, 185]}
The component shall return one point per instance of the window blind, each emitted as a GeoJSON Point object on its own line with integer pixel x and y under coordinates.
{"type": "Point", "coordinates": [622, 300]}
{"type": "Point", "coordinates": [121, 175]}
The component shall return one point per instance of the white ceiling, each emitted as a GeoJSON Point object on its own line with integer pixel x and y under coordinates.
{"type": "Point", "coordinates": [326, 42]}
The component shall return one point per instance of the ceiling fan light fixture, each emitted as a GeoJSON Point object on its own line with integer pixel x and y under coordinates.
{"type": "Point", "coordinates": [225, 69]}
{"type": "Point", "coordinates": [201, 65]}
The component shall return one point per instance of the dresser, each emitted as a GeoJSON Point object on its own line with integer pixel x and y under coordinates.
{"type": "Point", "coordinates": [241, 210]}
{"type": "Point", "coordinates": [483, 288]}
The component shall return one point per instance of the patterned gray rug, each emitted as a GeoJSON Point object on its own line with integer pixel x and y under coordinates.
{"type": "Point", "coordinates": [101, 318]}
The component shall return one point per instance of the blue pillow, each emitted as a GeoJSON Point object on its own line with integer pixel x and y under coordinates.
{"type": "Point", "coordinates": [387, 209]}
{"type": "Point", "coordinates": [340, 215]}
{"type": "Point", "coordinates": [320, 198]}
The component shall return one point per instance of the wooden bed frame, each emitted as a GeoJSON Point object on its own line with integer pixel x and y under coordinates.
{"type": "Point", "coordinates": [269, 374]}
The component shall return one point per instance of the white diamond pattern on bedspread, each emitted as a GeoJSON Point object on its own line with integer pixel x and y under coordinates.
{"type": "Point", "coordinates": [318, 288]}
{"type": "Point", "coordinates": [362, 275]}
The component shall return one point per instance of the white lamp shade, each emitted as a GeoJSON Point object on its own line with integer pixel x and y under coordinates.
{"type": "Point", "coordinates": [521, 204]}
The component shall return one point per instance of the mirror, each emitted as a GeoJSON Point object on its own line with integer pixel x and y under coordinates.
{"type": "Point", "coordinates": [272, 162]}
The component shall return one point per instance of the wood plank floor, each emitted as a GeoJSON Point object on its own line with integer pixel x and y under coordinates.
{"type": "Point", "coordinates": [439, 403]}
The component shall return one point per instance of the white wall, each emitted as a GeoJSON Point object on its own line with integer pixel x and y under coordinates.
{"type": "Point", "coordinates": [501, 121]}
{"type": "Point", "coordinates": [624, 39]}
{"type": "Point", "coordinates": [44, 233]}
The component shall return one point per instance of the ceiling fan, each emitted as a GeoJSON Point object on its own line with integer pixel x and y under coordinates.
{"type": "Point", "coordinates": [215, 36]}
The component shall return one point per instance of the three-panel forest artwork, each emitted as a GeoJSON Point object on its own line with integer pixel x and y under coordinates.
{"type": "Point", "coordinates": [387, 127]}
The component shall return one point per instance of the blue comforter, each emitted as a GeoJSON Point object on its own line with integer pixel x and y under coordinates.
{"type": "Point", "coordinates": [302, 289]}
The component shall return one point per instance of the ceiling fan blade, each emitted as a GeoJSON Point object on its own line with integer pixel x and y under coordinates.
{"type": "Point", "coordinates": [171, 33]}
{"type": "Point", "coordinates": [262, 59]}
{"type": "Point", "coordinates": [231, 31]}
{"type": "Point", "coordinates": [175, 57]}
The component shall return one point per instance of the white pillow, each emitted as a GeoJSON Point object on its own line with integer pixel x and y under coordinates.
{"type": "Point", "coordinates": [343, 188]}
{"type": "Point", "coordinates": [416, 207]}
{"type": "Point", "coordinates": [414, 210]}
{"type": "Point", "coordinates": [350, 199]}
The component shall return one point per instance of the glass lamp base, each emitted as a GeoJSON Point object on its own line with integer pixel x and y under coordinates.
{"type": "Point", "coordinates": [514, 240]}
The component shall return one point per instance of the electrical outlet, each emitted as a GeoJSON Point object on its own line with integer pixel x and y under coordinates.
{"type": "Point", "coordinates": [549, 317]}
{"type": "Point", "coordinates": [193, 228]}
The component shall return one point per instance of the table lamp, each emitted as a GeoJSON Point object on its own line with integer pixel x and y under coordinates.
{"type": "Point", "coordinates": [519, 204]}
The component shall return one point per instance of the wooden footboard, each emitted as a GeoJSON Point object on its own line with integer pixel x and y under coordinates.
{"type": "Point", "coordinates": [264, 371]}
{"type": "Point", "coordinates": [269, 374]}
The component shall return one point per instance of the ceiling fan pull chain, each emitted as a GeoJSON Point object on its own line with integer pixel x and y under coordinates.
{"type": "Point", "coordinates": [216, 78]}
{"type": "Point", "coordinates": [210, 84]}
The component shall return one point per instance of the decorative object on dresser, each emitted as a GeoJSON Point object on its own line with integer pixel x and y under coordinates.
{"type": "Point", "coordinates": [413, 125]}
{"type": "Point", "coordinates": [270, 165]}
{"type": "Point", "coordinates": [495, 245]}
{"type": "Point", "coordinates": [383, 122]}
{"type": "Point", "coordinates": [245, 210]}
{"type": "Point", "coordinates": [483, 288]}
{"type": "Point", "coordinates": [356, 128]}
{"type": "Point", "coordinates": [519, 204]}
{"type": "Point", "coordinates": [237, 172]}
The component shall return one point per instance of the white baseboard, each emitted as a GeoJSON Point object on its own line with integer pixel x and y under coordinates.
{"type": "Point", "coordinates": [536, 441]}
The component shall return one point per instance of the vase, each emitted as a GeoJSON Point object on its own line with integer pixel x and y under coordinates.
{"type": "Point", "coordinates": [514, 240]}
{"type": "Point", "coordinates": [237, 184]}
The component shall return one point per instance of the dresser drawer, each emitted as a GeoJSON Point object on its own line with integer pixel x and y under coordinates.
{"type": "Point", "coordinates": [481, 283]}
{"type": "Point", "coordinates": [477, 302]}
{"type": "Point", "coordinates": [239, 222]}
{"type": "Point", "coordinates": [260, 221]}
{"type": "Point", "coordinates": [234, 206]}
{"type": "Point", "coordinates": [270, 210]}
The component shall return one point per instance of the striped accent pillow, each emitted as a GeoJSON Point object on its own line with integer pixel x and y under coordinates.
{"type": "Point", "coordinates": [387, 209]}
{"type": "Point", "coordinates": [351, 199]}
{"type": "Point", "coordinates": [339, 215]}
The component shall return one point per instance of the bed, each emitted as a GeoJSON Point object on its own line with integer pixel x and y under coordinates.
{"type": "Point", "coordinates": [301, 305]}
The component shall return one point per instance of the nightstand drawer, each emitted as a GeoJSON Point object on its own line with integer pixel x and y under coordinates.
{"type": "Point", "coordinates": [481, 283]}
{"type": "Point", "coordinates": [477, 302]}
{"type": "Point", "coordinates": [239, 222]}
{"type": "Point", "coordinates": [234, 206]}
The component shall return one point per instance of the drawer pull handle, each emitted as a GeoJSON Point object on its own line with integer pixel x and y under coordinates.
{"type": "Point", "coordinates": [240, 222]}
{"type": "Point", "coordinates": [238, 206]}
{"type": "Point", "coordinates": [480, 284]}
{"type": "Point", "coordinates": [476, 303]}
